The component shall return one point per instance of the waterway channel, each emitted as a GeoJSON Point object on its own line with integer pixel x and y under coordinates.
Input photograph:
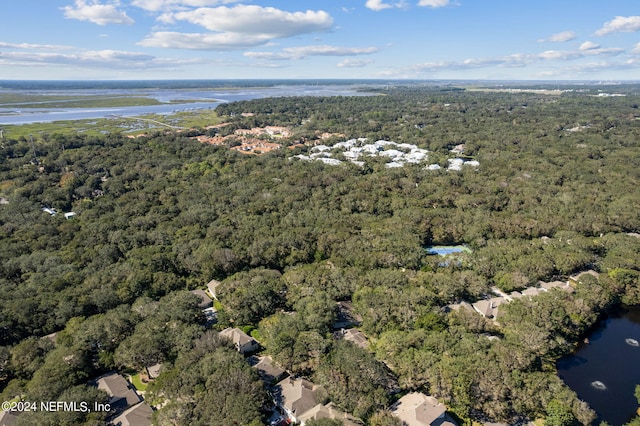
{"type": "Point", "coordinates": [605, 369]}
{"type": "Point", "coordinates": [175, 99]}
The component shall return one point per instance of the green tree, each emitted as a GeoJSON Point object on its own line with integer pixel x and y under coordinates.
{"type": "Point", "coordinates": [558, 414]}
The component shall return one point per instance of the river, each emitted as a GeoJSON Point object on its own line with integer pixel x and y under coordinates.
{"type": "Point", "coordinates": [204, 97]}
{"type": "Point", "coordinates": [605, 371]}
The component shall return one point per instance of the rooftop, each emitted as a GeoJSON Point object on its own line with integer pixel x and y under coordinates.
{"type": "Point", "coordinates": [418, 409]}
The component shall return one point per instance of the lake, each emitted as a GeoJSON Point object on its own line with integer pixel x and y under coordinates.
{"type": "Point", "coordinates": [605, 371]}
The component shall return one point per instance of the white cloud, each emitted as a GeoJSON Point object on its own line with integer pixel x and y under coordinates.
{"type": "Point", "coordinates": [90, 59]}
{"type": "Point", "coordinates": [563, 55]}
{"type": "Point", "coordinates": [304, 51]}
{"type": "Point", "coordinates": [587, 49]}
{"type": "Point", "coordinates": [354, 63]}
{"type": "Point", "coordinates": [33, 46]}
{"type": "Point", "coordinates": [238, 27]}
{"type": "Point", "coordinates": [250, 19]}
{"type": "Point", "coordinates": [636, 49]}
{"type": "Point", "coordinates": [433, 3]}
{"type": "Point", "coordinates": [589, 45]}
{"type": "Point", "coordinates": [203, 41]}
{"type": "Point", "coordinates": [100, 14]}
{"type": "Point", "coordinates": [559, 37]}
{"type": "Point", "coordinates": [158, 5]}
{"type": "Point", "coordinates": [626, 24]}
{"type": "Point", "coordinates": [377, 5]}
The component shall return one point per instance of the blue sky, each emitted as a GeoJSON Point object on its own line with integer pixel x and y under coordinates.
{"type": "Point", "coordinates": [389, 39]}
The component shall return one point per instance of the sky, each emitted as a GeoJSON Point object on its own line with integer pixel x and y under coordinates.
{"type": "Point", "coordinates": [333, 39]}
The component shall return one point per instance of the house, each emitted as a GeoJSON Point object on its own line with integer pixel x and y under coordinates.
{"type": "Point", "coordinates": [295, 397]}
{"type": "Point", "coordinates": [212, 287]}
{"type": "Point", "coordinates": [269, 371]}
{"type": "Point", "coordinates": [489, 308]}
{"type": "Point", "coordinates": [354, 336]}
{"type": "Point", "coordinates": [346, 317]}
{"type": "Point", "coordinates": [555, 284]}
{"type": "Point", "coordinates": [241, 340]}
{"type": "Point", "coordinates": [138, 415]}
{"type": "Point", "coordinates": [458, 306]}
{"type": "Point", "coordinates": [458, 149]}
{"type": "Point", "coordinates": [122, 394]}
{"type": "Point", "coordinates": [153, 371]}
{"type": "Point", "coordinates": [8, 418]}
{"type": "Point", "coordinates": [205, 300]}
{"type": "Point", "coordinates": [418, 409]}
{"type": "Point", "coordinates": [515, 295]}
{"type": "Point", "coordinates": [69, 215]}
{"type": "Point", "coordinates": [531, 291]}
{"type": "Point", "coordinates": [329, 411]}
{"type": "Point", "coordinates": [574, 280]}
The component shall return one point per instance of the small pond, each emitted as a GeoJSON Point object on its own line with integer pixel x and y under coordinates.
{"type": "Point", "coordinates": [605, 371]}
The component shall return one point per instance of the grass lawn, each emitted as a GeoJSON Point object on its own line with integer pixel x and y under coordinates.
{"type": "Point", "coordinates": [136, 380]}
{"type": "Point", "coordinates": [101, 126]}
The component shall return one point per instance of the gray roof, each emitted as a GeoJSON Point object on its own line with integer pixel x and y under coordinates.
{"type": "Point", "coordinates": [267, 368]}
{"type": "Point", "coordinates": [140, 415]}
{"type": "Point", "coordinates": [8, 418]}
{"type": "Point", "coordinates": [577, 277]}
{"type": "Point", "coordinates": [117, 387]}
{"type": "Point", "coordinates": [212, 286]}
{"type": "Point", "coordinates": [296, 395]}
{"type": "Point", "coordinates": [238, 337]}
{"type": "Point", "coordinates": [329, 411]}
{"type": "Point", "coordinates": [154, 370]}
{"type": "Point", "coordinates": [418, 409]}
{"type": "Point", "coordinates": [205, 300]}
{"type": "Point", "coordinates": [356, 337]}
{"type": "Point", "coordinates": [489, 307]}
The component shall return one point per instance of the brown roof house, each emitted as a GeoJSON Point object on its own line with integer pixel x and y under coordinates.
{"type": "Point", "coordinates": [555, 284]}
{"type": "Point", "coordinates": [205, 300]}
{"type": "Point", "coordinates": [122, 394]}
{"type": "Point", "coordinates": [354, 336]}
{"type": "Point", "coordinates": [329, 411]}
{"type": "Point", "coordinates": [418, 409]}
{"type": "Point", "coordinates": [241, 340]}
{"type": "Point", "coordinates": [8, 418]}
{"type": "Point", "coordinates": [574, 280]}
{"type": "Point", "coordinates": [269, 371]}
{"type": "Point", "coordinates": [295, 397]}
{"type": "Point", "coordinates": [138, 415]}
{"type": "Point", "coordinates": [212, 286]}
{"type": "Point", "coordinates": [488, 308]}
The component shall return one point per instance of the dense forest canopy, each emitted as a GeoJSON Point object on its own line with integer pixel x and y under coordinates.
{"type": "Point", "coordinates": [556, 193]}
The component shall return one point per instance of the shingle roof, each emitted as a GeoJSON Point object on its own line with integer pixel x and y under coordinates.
{"type": "Point", "coordinates": [418, 409]}
{"type": "Point", "coordinates": [118, 389]}
{"type": "Point", "coordinates": [296, 395]}
{"type": "Point", "coordinates": [140, 415]}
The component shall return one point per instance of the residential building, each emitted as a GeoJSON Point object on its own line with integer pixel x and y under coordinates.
{"type": "Point", "coordinates": [123, 394]}
{"type": "Point", "coordinates": [354, 336]}
{"type": "Point", "coordinates": [575, 279]}
{"type": "Point", "coordinates": [8, 418]}
{"type": "Point", "coordinates": [241, 340]}
{"type": "Point", "coordinates": [329, 411]}
{"type": "Point", "coordinates": [138, 415]}
{"type": "Point", "coordinates": [212, 287]}
{"type": "Point", "coordinates": [418, 409]}
{"type": "Point", "coordinates": [205, 300]}
{"type": "Point", "coordinates": [295, 397]}
{"type": "Point", "coordinates": [269, 371]}
{"type": "Point", "coordinates": [489, 307]}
